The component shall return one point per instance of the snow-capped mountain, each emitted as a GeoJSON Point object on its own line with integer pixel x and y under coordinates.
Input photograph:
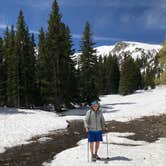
{"type": "Point", "coordinates": [135, 49]}
{"type": "Point", "coordinates": [139, 50]}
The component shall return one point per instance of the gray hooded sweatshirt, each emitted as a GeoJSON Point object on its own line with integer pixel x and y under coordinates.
{"type": "Point", "coordinates": [94, 120]}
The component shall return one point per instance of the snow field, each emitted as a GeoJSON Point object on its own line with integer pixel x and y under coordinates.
{"type": "Point", "coordinates": [141, 153]}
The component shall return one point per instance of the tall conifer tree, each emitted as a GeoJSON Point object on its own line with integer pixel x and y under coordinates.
{"type": "Point", "coordinates": [56, 59]}
{"type": "Point", "coordinates": [25, 63]}
{"type": "Point", "coordinates": [11, 71]}
{"type": "Point", "coordinates": [41, 77]}
{"type": "Point", "coordinates": [88, 84]}
{"type": "Point", "coordinates": [5, 59]}
{"type": "Point", "coordinates": [128, 76]}
{"type": "Point", "coordinates": [2, 74]}
{"type": "Point", "coordinates": [113, 74]}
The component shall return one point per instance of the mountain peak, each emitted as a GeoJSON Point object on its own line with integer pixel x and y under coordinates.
{"type": "Point", "coordinates": [135, 49]}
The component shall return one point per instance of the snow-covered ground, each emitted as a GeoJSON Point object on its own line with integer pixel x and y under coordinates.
{"type": "Point", "coordinates": [128, 153]}
{"type": "Point", "coordinates": [125, 108]}
{"type": "Point", "coordinates": [139, 104]}
{"type": "Point", "coordinates": [18, 126]}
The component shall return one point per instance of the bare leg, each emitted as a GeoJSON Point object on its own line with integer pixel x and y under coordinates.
{"type": "Point", "coordinates": [97, 147]}
{"type": "Point", "coordinates": [91, 147]}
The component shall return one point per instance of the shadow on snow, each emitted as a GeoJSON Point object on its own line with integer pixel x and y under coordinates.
{"type": "Point", "coordinates": [7, 111]}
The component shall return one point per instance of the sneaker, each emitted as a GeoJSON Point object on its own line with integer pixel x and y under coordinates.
{"type": "Point", "coordinates": [97, 157]}
{"type": "Point", "coordinates": [93, 158]}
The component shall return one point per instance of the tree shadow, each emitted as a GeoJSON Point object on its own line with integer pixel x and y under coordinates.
{"type": "Point", "coordinates": [110, 106]}
{"type": "Point", "coordinates": [82, 111]}
{"type": "Point", "coordinates": [10, 111]}
{"type": "Point", "coordinates": [126, 103]}
{"type": "Point", "coordinates": [106, 107]}
{"type": "Point", "coordinates": [111, 111]}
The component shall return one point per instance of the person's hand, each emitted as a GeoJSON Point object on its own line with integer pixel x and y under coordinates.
{"type": "Point", "coordinates": [87, 130]}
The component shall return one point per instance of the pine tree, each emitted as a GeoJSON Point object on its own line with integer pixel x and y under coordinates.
{"type": "Point", "coordinates": [103, 75]}
{"type": "Point", "coordinates": [25, 62]}
{"type": "Point", "coordinates": [139, 75]}
{"type": "Point", "coordinates": [11, 71]}
{"type": "Point", "coordinates": [69, 71]}
{"type": "Point", "coordinates": [55, 59]}
{"type": "Point", "coordinates": [88, 84]}
{"type": "Point", "coordinates": [149, 78]}
{"type": "Point", "coordinates": [109, 74]}
{"type": "Point", "coordinates": [31, 71]}
{"type": "Point", "coordinates": [128, 76]}
{"type": "Point", "coordinates": [2, 74]}
{"type": "Point", "coordinates": [162, 60]}
{"type": "Point", "coordinates": [41, 76]}
{"type": "Point", "coordinates": [100, 74]}
{"type": "Point", "coordinates": [113, 75]}
{"type": "Point", "coordinates": [5, 59]}
{"type": "Point", "coordinates": [56, 71]}
{"type": "Point", "coordinates": [20, 58]}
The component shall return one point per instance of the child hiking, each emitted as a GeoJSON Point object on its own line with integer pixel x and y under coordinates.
{"type": "Point", "coordinates": [94, 123]}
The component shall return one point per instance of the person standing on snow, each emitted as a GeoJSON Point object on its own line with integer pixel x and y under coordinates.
{"type": "Point", "coordinates": [94, 123]}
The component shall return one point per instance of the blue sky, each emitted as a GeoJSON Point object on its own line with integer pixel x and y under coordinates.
{"type": "Point", "coordinates": [111, 20]}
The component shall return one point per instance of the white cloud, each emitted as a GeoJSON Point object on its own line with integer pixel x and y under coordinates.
{"type": "Point", "coordinates": [108, 3]}
{"type": "Point", "coordinates": [45, 4]}
{"type": "Point", "coordinates": [3, 26]}
{"type": "Point", "coordinates": [38, 4]}
{"type": "Point", "coordinates": [35, 32]}
{"type": "Point", "coordinates": [76, 3]}
{"type": "Point", "coordinates": [98, 38]}
{"type": "Point", "coordinates": [128, 3]}
{"type": "Point", "coordinates": [150, 17]}
{"type": "Point", "coordinates": [77, 36]}
{"type": "Point", "coordinates": [155, 17]}
{"type": "Point", "coordinates": [103, 21]}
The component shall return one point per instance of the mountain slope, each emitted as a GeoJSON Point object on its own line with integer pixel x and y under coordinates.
{"type": "Point", "coordinates": [144, 51]}
{"type": "Point", "coordinates": [135, 49]}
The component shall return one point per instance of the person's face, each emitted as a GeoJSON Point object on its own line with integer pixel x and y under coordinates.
{"type": "Point", "coordinates": [95, 107]}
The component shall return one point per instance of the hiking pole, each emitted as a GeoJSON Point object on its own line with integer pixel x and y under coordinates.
{"type": "Point", "coordinates": [107, 145]}
{"type": "Point", "coordinates": [106, 161]}
{"type": "Point", "coordinates": [88, 151]}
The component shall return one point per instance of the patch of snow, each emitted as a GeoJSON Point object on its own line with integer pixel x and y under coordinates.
{"type": "Point", "coordinates": [103, 50]}
{"type": "Point", "coordinates": [142, 103]}
{"type": "Point", "coordinates": [17, 126]}
{"type": "Point", "coordinates": [146, 46]}
{"type": "Point", "coordinates": [145, 154]}
{"type": "Point", "coordinates": [44, 139]}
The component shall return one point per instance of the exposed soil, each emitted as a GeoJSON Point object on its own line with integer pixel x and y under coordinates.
{"type": "Point", "coordinates": [146, 129]}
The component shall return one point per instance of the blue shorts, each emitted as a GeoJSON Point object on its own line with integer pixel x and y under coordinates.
{"type": "Point", "coordinates": [95, 136]}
